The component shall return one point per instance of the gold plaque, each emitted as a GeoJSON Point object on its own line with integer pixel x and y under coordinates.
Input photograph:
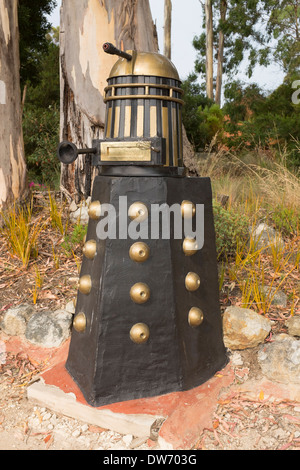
{"type": "Point", "coordinates": [139, 151]}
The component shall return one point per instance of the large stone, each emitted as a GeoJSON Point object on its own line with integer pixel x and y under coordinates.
{"type": "Point", "coordinates": [265, 236]}
{"type": "Point", "coordinates": [275, 296]}
{"type": "Point", "coordinates": [79, 214]}
{"type": "Point", "coordinates": [243, 328]}
{"type": "Point", "coordinates": [49, 329]}
{"type": "Point", "coordinates": [293, 326]}
{"type": "Point", "coordinates": [15, 320]}
{"type": "Point", "coordinates": [280, 359]}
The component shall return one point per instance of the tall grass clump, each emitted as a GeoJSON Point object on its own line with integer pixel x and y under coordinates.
{"type": "Point", "coordinates": [21, 230]}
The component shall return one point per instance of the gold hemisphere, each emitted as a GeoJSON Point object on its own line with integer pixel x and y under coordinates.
{"type": "Point", "coordinates": [190, 246]}
{"type": "Point", "coordinates": [139, 333]}
{"type": "Point", "coordinates": [90, 249]}
{"type": "Point", "coordinates": [95, 210]}
{"type": "Point", "coordinates": [138, 210]}
{"type": "Point", "coordinates": [139, 252]}
{"type": "Point", "coordinates": [188, 209]}
{"type": "Point", "coordinates": [140, 293]}
{"type": "Point", "coordinates": [85, 285]}
{"type": "Point", "coordinates": [192, 282]}
{"type": "Point", "coordinates": [145, 63]}
{"type": "Point", "coordinates": [196, 317]}
{"type": "Point", "coordinates": [79, 323]}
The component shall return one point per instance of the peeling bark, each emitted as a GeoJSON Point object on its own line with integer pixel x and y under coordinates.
{"type": "Point", "coordinates": [209, 49]}
{"type": "Point", "coordinates": [168, 29]}
{"type": "Point", "coordinates": [12, 160]}
{"type": "Point", "coordinates": [85, 26]}
{"type": "Point", "coordinates": [223, 11]}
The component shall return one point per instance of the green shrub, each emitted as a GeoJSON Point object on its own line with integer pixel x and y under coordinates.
{"type": "Point", "coordinates": [75, 238]}
{"type": "Point", "coordinates": [41, 137]}
{"type": "Point", "coordinates": [230, 227]}
{"type": "Point", "coordinates": [286, 220]}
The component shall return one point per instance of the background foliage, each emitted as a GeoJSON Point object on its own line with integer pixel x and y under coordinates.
{"type": "Point", "coordinates": [39, 53]}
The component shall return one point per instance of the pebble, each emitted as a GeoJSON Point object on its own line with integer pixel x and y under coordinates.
{"type": "Point", "coordinates": [127, 439]}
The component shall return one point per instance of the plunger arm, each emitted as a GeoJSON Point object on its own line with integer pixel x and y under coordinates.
{"type": "Point", "coordinates": [67, 152]}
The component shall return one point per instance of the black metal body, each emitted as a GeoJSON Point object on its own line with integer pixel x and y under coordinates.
{"type": "Point", "coordinates": [105, 363]}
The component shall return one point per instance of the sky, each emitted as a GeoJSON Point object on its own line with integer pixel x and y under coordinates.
{"type": "Point", "coordinates": [186, 24]}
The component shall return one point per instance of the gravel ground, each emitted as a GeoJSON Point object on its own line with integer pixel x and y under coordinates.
{"type": "Point", "coordinates": [240, 421]}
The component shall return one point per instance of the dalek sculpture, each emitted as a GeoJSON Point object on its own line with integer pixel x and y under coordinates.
{"type": "Point", "coordinates": [147, 319]}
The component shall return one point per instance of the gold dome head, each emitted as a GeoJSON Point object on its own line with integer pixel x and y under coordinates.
{"type": "Point", "coordinates": [196, 317]}
{"type": "Point", "coordinates": [85, 285]}
{"type": "Point", "coordinates": [188, 209]}
{"type": "Point", "coordinates": [139, 333]}
{"type": "Point", "coordinates": [139, 252]}
{"type": "Point", "coordinates": [79, 323]}
{"type": "Point", "coordinates": [190, 246]}
{"type": "Point", "coordinates": [138, 210]}
{"type": "Point", "coordinates": [192, 282]}
{"type": "Point", "coordinates": [140, 293]}
{"type": "Point", "coordinates": [95, 210]}
{"type": "Point", "coordinates": [145, 63]}
{"type": "Point", "coordinates": [90, 249]}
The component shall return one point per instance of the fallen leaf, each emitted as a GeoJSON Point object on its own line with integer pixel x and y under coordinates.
{"type": "Point", "coordinates": [261, 395]}
{"type": "Point", "coordinates": [47, 295]}
{"type": "Point", "coordinates": [39, 416]}
{"type": "Point", "coordinates": [96, 429]}
{"type": "Point", "coordinates": [292, 418]}
{"type": "Point", "coordinates": [47, 438]}
{"type": "Point", "coordinates": [216, 423]}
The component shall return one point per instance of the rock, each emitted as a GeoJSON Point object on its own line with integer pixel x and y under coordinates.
{"type": "Point", "coordinates": [264, 236]}
{"type": "Point", "coordinates": [293, 326]}
{"type": "Point", "coordinates": [243, 328]}
{"type": "Point", "coordinates": [70, 307]}
{"type": "Point", "coordinates": [15, 320]}
{"type": "Point", "coordinates": [127, 439]}
{"type": "Point", "coordinates": [280, 360]}
{"type": "Point", "coordinates": [49, 329]}
{"type": "Point", "coordinates": [276, 297]}
{"type": "Point", "coordinates": [2, 353]}
{"type": "Point", "coordinates": [80, 214]}
{"type": "Point", "coordinates": [73, 206]}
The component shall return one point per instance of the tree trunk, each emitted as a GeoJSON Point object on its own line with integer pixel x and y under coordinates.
{"type": "Point", "coordinates": [12, 160]}
{"type": "Point", "coordinates": [223, 11]}
{"type": "Point", "coordinates": [85, 26]}
{"type": "Point", "coordinates": [168, 29]}
{"type": "Point", "coordinates": [209, 49]}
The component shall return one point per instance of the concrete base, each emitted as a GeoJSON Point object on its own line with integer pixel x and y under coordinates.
{"type": "Point", "coordinates": [174, 420]}
{"type": "Point", "coordinates": [56, 400]}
